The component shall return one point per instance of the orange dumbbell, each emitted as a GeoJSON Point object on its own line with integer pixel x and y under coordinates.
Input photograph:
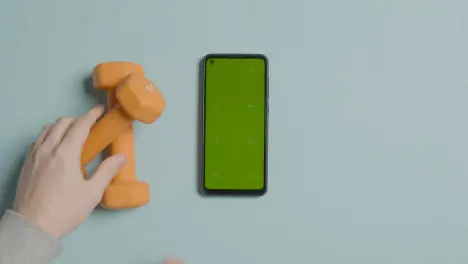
{"type": "Point", "coordinates": [106, 76]}
{"type": "Point", "coordinates": [137, 99]}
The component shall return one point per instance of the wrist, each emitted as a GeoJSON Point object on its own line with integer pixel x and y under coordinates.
{"type": "Point", "coordinates": [24, 242]}
{"type": "Point", "coordinates": [46, 226]}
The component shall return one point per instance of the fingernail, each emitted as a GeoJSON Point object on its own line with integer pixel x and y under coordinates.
{"type": "Point", "coordinates": [120, 158]}
{"type": "Point", "coordinates": [99, 106]}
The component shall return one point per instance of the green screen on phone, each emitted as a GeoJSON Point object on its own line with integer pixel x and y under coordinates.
{"type": "Point", "coordinates": [235, 110]}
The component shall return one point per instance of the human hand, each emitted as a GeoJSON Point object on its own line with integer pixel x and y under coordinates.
{"type": "Point", "coordinates": [52, 191]}
{"type": "Point", "coordinates": [173, 260]}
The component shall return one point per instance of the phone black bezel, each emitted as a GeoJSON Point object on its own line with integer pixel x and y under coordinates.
{"type": "Point", "coordinates": [231, 192]}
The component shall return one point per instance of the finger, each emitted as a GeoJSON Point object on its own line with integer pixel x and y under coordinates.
{"type": "Point", "coordinates": [79, 131]}
{"type": "Point", "coordinates": [106, 172]}
{"type": "Point", "coordinates": [40, 139]}
{"type": "Point", "coordinates": [173, 260]}
{"type": "Point", "coordinates": [57, 131]}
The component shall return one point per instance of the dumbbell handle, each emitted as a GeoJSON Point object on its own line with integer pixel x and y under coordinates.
{"type": "Point", "coordinates": [124, 191]}
{"type": "Point", "coordinates": [123, 144]}
{"type": "Point", "coordinates": [104, 132]}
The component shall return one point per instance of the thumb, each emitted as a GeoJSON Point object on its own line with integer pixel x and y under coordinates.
{"type": "Point", "coordinates": [106, 171]}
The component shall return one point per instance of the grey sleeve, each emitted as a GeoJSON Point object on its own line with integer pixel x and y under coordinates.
{"type": "Point", "coordinates": [21, 241]}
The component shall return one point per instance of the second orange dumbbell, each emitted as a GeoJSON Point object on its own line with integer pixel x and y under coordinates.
{"type": "Point", "coordinates": [134, 98]}
{"type": "Point", "coordinates": [124, 191]}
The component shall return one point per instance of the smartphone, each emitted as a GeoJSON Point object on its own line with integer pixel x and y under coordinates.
{"type": "Point", "coordinates": [235, 124]}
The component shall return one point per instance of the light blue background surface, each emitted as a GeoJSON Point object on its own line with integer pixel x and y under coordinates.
{"type": "Point", "coordinates": [368, 125]}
